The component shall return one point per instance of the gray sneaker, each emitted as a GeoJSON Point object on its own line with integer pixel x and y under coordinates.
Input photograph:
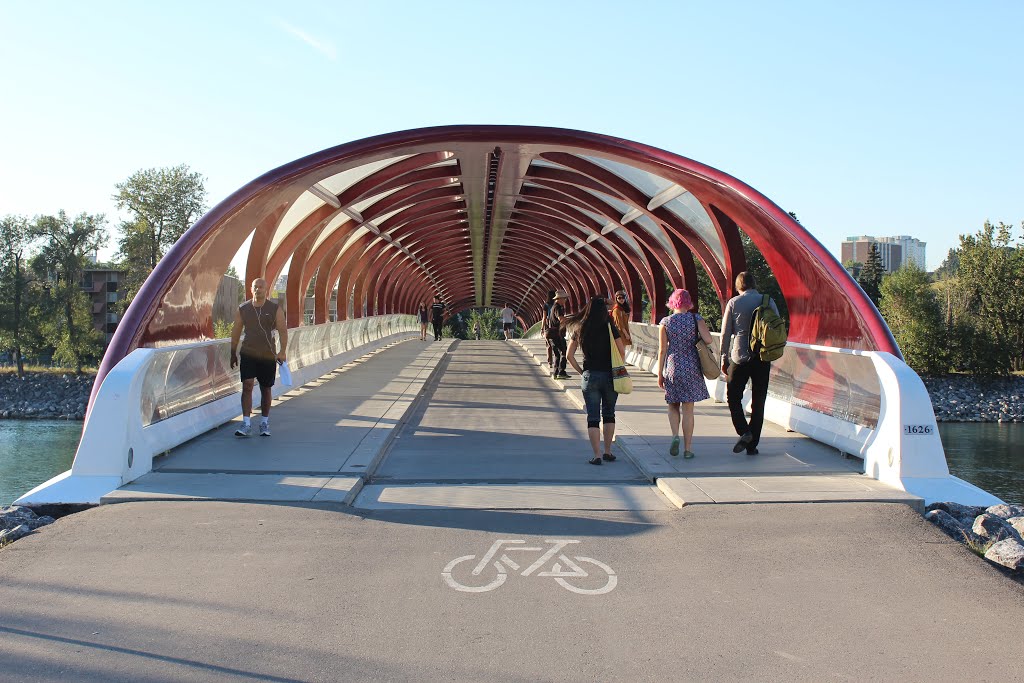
{"type": "Point", "coordinates": [243, 430]}
{"type": "Point", "coordinates": [264, 429]}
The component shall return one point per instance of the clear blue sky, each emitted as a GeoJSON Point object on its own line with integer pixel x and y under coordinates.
{"type": "Point", "coordinates": [863, 118]}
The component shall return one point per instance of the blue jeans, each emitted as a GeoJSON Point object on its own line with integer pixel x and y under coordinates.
{"type": "Point", "coordinates": [599, 395]}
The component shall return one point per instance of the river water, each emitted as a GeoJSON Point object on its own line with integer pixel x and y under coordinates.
{"type": "Point", "coordinates": [988, 455]}
{"type": "Point", "coordinates": [32, 451]}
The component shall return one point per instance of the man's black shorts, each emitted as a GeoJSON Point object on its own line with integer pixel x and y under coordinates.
{"type": "Point", "coordinates": [263, 369]}
{"type": "Point", "coordinates": [508, 326]}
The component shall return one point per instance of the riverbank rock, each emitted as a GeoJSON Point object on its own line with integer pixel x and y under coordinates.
{"type": "Point", "coordinates": [17, 521]}
{"type": "Point", "coordinates": [1018, 524]}
{"type": "Point", "coordinates": [1006, 511]}
{"type": "Point", "coordinates": [998, 529]}
{"type": "Point", "coordinates": [949, 524]}
{"type": "Point", "coordinates": [11, 535]}
{"type": "Point", "coordinates": [14, 515]}
{"type": "Point", "coordinates": [963, 398]}
{"type": "Point", "coordinates": [964, 513]}
{"type": "Point", "coordinates": [1009, 553]}
{"type": "Point", "coordinates": [43, 395]}
{"type": "Point", "coordinates": [993, 528]}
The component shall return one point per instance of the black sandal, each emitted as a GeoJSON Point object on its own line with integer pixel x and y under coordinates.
{"type": "Point", "coordinates": [595, 461]}
{"type": "Point", "coordinates": [608, 457]}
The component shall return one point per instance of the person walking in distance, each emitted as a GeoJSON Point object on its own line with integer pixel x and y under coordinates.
{"type": "Point", "coordinates": [424, 316]}
{"type": "Point", "coordinates": [555, 333]}
{"type": "Point", "coordinates": [740, 364]}
{"type": "Point", "coordinates": [620, 316]}
{"type": "Point", "coordinates": [508, 322]}
{"type": "Point", "coordinates": [592, 330]}
{"type": "Point", "coordinates": [679, 372]}
{"type": "Point", "coordinates": [258, 356]}
{"type": "Point", "coordinates": [476, 329]}
{"type": "Point", "coordinates": [437, 316]}
{"type": "Point", "coordinates": [548, 303]}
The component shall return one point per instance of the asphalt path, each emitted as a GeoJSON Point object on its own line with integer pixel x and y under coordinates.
{"type": "Point", "coordinates": [173, 591]}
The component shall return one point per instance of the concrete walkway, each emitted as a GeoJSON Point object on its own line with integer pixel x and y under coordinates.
{"type": "Point", "coordinates": [325, 437]}
{"type": "Point", "coordinates": [789, 467]}
{"type": "Point", "coordinates": [418, 461]}
{"type": "Point", "coordinates": [216, 591]}
{"type": "Point", "coordinates": [480, 425]}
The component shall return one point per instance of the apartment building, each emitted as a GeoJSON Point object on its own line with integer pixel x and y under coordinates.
{"type": "Point", "coordinates": [894, 251]}
{"type": "Point", "coordinates": [103, 286]}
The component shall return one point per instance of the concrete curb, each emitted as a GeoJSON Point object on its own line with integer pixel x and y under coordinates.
{"type": "Point", "coordinates": [246, 488]}
{"type": "Point", "coordinates": [682, 492]}
{"type": "Point", "coordinates": [670, 494]}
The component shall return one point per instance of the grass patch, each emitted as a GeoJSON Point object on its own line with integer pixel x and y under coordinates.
{"type": "Point", "coordinates": [977, 547]}
{"type": "Point", "coordinates": [44, 370]}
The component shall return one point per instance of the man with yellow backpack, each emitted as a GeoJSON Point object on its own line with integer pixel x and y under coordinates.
{"type": "Point", "coordinates": [753, 335]}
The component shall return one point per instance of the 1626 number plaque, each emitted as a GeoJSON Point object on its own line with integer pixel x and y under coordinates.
{"type": "Point", "coordinates": [918, 429]}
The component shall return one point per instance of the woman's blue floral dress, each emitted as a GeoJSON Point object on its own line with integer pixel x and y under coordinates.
{"type": "Point", "coordinates": [684, 381]}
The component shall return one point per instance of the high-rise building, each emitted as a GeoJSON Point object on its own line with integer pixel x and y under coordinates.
{"type": "Point", "coordinates": [894, 251]}
{"type": "Point", "coordinates": [912, 248]}
{"type": "Point", "coordinates": [103, 286]}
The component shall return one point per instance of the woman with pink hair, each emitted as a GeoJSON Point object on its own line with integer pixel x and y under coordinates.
{"type": "Point", "coordinates": [679, 372]}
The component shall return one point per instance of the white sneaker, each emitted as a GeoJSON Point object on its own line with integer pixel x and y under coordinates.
{"type": "Point", "coordinates": [243, 430]}
{"type": "Point", "coordinates": [264, 429]}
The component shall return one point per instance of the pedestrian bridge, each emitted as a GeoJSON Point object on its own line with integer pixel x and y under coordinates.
{"type": "Point", "coordinates": [485, 216]}
{"type": "Point", "coordinates": [379, 419]}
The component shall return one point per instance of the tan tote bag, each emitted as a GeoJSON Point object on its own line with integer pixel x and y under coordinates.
{"type": "Point", "coordinates": [621, 380]}
{"type": "Point", "coordinates": [709, 364]}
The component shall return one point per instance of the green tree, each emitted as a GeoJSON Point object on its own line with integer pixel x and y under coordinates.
{"type": "Point", "coordinates": [871, 275]}
{"type": "Point", "coordinates": [707, 299]}
{"type": "Point", "coordinates": [763, 275]}
{"type": "Point", "coordinates": [15, 241]}
{"type": "Point", "coordinates": [66, 318]}
{"type": "Point", "coordinates": [853, 267]}
{"type": "Point", "coordinates": [910, 307]}
{"type": "Point", "coordinates": [490, 323]}
{"type": "Point", "coordinates": [222, 329]}
{"type": "Point", "coordinates": [163, 203]}
{"type": "Point", "coordinates": [950, 266]}
{"type": "Point", "coordinates": [990, 280]}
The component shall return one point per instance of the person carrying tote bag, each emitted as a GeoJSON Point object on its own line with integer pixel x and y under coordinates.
{"type": "Point", "coordinates": [679, 367]}
{"type": "Point", "coordinates": [621, 381]}
{"type": "Point", "coordinates": [592, 330]}
{"type": "Point", "coordinates": [709, 363]}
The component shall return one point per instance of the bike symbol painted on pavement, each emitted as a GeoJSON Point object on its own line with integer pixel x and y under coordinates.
{"type": "Point", "coordinates": [490, 573]}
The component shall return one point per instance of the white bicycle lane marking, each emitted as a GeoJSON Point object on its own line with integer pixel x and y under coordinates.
{"type": "Point", "coordinates": [492, 569]}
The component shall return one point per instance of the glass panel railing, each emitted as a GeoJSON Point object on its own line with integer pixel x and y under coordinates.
{"type": "Point", "coordinates": [841, 383]}
{"type": "Point", "coordinates": [195, 376]}
{"type": "Point", "coordinates": [181, 378]}
{"type": "Point", "coordinates": [645, 339]}
{"type": "Point", "coordinates": [836, 382]}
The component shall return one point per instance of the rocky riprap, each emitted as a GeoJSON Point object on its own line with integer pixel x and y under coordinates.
{"type": "Point", "coordinates": [996, 531]}
{"type": "Point", "coordinates": [959, 398]}
{"type": "Point", "coordinates": [17, 522]}
{"type": "Point", "coordinates": [44, 395]}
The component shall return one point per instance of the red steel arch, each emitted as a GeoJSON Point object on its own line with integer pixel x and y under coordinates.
{"type": "Point", "coordinates": [481, 214]}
